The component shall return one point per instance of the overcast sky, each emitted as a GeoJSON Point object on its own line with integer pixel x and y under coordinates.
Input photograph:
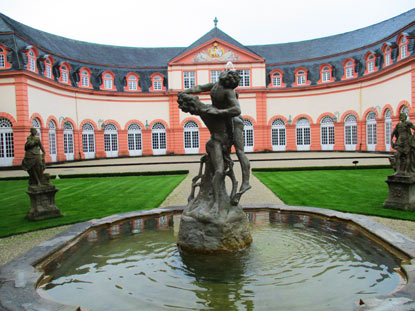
{"type": "Point", "coordinates": [169, 23]}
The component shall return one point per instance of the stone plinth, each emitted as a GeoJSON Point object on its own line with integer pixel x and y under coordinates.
{"type": "Point", "coordinates": [401, 192]}
{"type": "Point", "coordinates": [209, 227]}
{"type": "Point", "coordinates": [42, 202]}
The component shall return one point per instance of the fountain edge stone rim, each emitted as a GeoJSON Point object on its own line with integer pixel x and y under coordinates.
{"type": "Point", "coordinates": [19, 278]}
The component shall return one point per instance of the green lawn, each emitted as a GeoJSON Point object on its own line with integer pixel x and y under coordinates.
{"type": "Point", "coordinates": [81, 199]}
{"type": "Point", "coordinates": [361, 191]}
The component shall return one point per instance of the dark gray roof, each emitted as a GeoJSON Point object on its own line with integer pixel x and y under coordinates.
{"type": "Point", "coordinates": [322, 47]}
{"type": "Point", "coordinates": [90, 52]}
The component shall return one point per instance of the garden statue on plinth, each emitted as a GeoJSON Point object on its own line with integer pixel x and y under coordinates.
{"type": "Point", "coordinates": [213, 221]}
{"type": "Point", "coordinates": [41, 191]}
{"type": "Point", "coordinates": [402, 183]}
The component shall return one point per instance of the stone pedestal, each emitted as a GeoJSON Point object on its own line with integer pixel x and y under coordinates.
{"type": "Point", "coordinates": [401, 192]}
{"type": "Point", "coordinates": [207, 226]}
{"type": "Point", "coordinates": [42, 202]}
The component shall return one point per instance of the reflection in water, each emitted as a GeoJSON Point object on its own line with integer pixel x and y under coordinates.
{"type": "Point", "coordinates": [296, 262]}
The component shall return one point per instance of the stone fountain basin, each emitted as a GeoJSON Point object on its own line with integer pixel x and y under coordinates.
{"type": "Point", "coordinates": [20, 277]}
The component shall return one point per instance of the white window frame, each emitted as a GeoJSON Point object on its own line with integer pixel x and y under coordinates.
{"type": "Point", "coordinates": [32, 61]}
{"type": "Point", "coordinates": [245, 75]}
{"type": "Point", "coordinates": [2, 59]}
{"type": "Point", "coordinates": [6, 142]}
{"type": "Point", "coordinates": [249, 137]}
{"type": "Point", "coordinates": [134, 139]}
{"type": "Point", "coordinates": [88, 141]}
{"type": "Point", "coordinates": [303, 134]}
{"type": "Point", "coordinates": [349, 69]}
{"type": "Point", "coordinates": [350, 132]}
{"type": "Point", "coordinates": [388, 56]}
{"type": "Point", "coordinates": [111, 140]}
{"type": "Point", "coordinates": [325, 74]}
{"type": "Point", "coordinates": [189, 79]}
{"type": "Point", "coordinates": [52, 140]}
{"type": "Point", "coordinates": [371, 131]}
{"type": "Point", "coordinates": [301, 80]}
{"type": "Point", "coordinates": [403, 48]}
{"type": "Point", "coordinates": [85, 78]}
{"type": "Point", "coordinates": [68, 141]}
{"type": "Point", "coordinates": [276, 79]}
{"type": "Point", "coordinates": [108, 81]}
{"type": "Point", "coordinates": [157, 83]}
{"type": "Point", "coordinates": [278, 135]}
{"type": "Point", "coordinates": [132, 83]}
{"type": "Point", "coordinates": [214, 76]}
{"type": "Point", "coordinates": [388, 129]}
{"type": "Point", "coordinates": [191, 137]}
{"type": "Point", "coordinates": [327, 133]}
{"type": "Point", "coordinates": [158, 138]}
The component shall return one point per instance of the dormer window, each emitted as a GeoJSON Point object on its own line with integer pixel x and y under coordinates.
{"type": "Point", "coordinates": [387, 55]}
{"type": "Point", "coordinates": [301, 77]}
{"type": "Point", "coordinates": [48, 63]}
{"type": "Point", "coordinates": [132, 83]}
{"type": "Point", "coordinates": [325, 74]}
{"type": "Point", "coordinates": [85, 78]}
{"type": "Point", "coordinates": [31, 62]}
{"type": "Point", "coordinates": [370, 63]}
{"type": "Point", "coordinates": [4, 64]}
{"type": "Point", "coordinates": [64, 73]}
{"type": "Point", "coordinates": [403, 47]}
{"type": "Point", "coordinates": [2, 58]}
{"type": "Point", "coordinates": [157, 82]}
{"type": "Point", "coordinates": [277, 78]}
{"type": "Point", "coordinates": [349, 69]}
{"type": "Point", "coordinates": [108, 81]}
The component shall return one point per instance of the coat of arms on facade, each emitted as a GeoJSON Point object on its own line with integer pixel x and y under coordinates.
{"type": "Point", "coordinates": [215, 53]}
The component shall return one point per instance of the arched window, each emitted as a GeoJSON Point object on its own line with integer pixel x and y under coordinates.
{"type": "Point", "coordinates": [3, 57]}
{"type": "Point", "coordinates": [31, 61]}
{"type": "Point", "coordinates": [48, 68]}
{"type": "Point", "coordinates": [158, 138]}
{"type": "Point", "coordinates": [88, 141]}
{"type": "Point", "coordinates": [387, 55]}
{"type": "Point", "coordinates": [68, 144]}
{"type": "Point", "coordinates": [108, 81]}
{"type": "Point", "coordinates": [248, 136]}
{"type": "Point", "coordinates": [157, 82]}
{"type": "Point", "coordinates": [111, 140]}
{"type": "Point", "coordinates": [135, 146]}
{"type": "Point", "coordinates": [132, 83]}
{"type": "Point", "coordinates": [191, 137]}
{"type": "Point", "coordinates": [370, 63]}
{"type": "Point", "coordinates": [276, 79]}
{"type": "Point", "coordinates": [278, 138]}
{"type": "Point", "coordinates": [85, 79]}
{"type": "Point", "coordinates": [327, 133]}
{"type": "Point", "coordinates": [6, 143]}
{"type": "Point", "coordinates": [350, 132]}
{"type": "Point", "coordinates": [326, 74]}
{"type": "Point", "coordinates": [371, 131]}
{"type": "Point", "coordinates": [388, 129]}
{"type": "Point", "coordinates": [349, 70]}
{"type": "Point", "coordinates": [36, 125]}
{"type": "Point", "coordinates": [303, 134]}
{"type": "Point", "coordinates": [64, 73]}
{"type": "Point", "coordinates": [52, 140]}
{"type": "Point", "coordinates": [403, 48]}
{"type": "Point", "coordinates": [301, 78]}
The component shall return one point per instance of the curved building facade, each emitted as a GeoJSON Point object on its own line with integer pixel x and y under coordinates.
{"type": "Point", "coordinates": [342, 92]}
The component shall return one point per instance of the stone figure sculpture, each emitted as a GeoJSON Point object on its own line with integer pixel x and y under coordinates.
{"type": "Point", "coordinates": [403, 161]}
{"type": "Point", "coordinates": [213, 221]}
{"type": "Point", "coordinates": [41, 191]}
{"type": "Point", "coordinates": [34, 162]}
{"type": "Point", "coordinates": [402, 184]}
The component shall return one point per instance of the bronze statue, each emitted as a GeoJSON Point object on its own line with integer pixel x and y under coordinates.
{"type": "Point", "coordinates": [213, 221]}
{"type": "Point", "coordinates": [34, 162]}
{"type": "Point", "coordinates": [403, 161]}
{"type": "Point", "coordinates": [225, 106]}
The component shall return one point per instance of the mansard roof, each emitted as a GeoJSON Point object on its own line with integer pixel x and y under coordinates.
{"type": "Point", "coordinates": [332, 45]}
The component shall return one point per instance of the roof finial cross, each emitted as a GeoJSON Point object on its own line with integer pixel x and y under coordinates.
{"type": "Point", "coordinates": [216, 21]}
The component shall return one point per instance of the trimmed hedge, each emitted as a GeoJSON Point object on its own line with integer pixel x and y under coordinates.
{"type": "Point", "coordinates": [319, 168]}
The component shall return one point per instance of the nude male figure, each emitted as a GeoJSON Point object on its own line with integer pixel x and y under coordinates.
{"type": "Point", "coordinates": [226, 105]}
